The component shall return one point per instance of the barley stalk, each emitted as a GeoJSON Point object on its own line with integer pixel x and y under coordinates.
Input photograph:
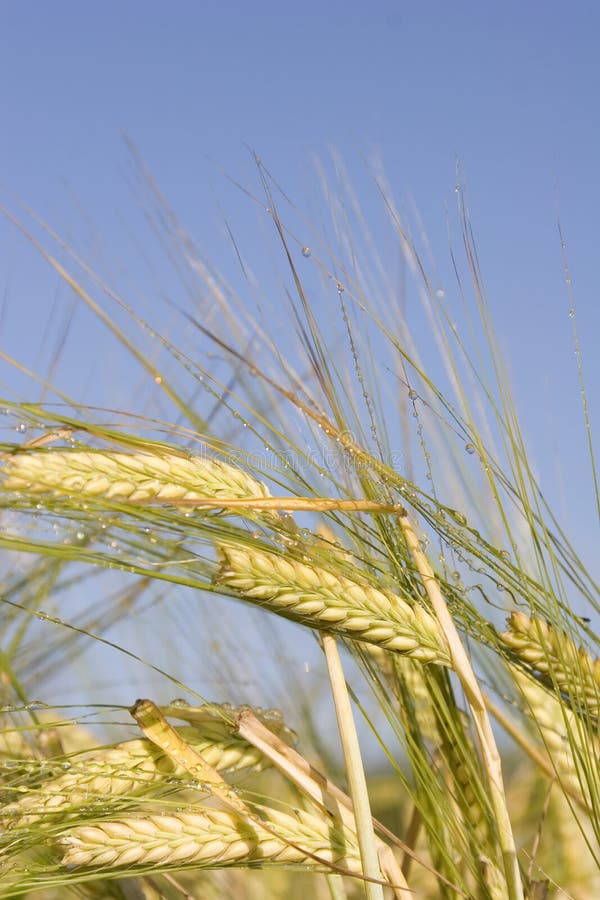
{"type": "Point", "coordinates": [128, 769]}
{"type": "Point", "coordinates": [213, 838]}
{"type": "Point", "coordinates": [155, 727]}
{"type": "Point", "coordinates": [210, 715]}
{"type": "Point", "coordinates": [321, 791]}
{"type": "Point", "coordinates": [331, 602]}
{"type": "Point", "coordinates": [355, 772]}
{"type": "Point", "coordinates": [462, 666]}
{"type": "Point", "coordinates": [130, 477]}
{"type": "Point", "coordinates": [556, 657]}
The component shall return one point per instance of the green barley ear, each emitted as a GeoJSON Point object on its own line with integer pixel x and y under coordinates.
{"type": "Point", "coordinates": [128, 477]}
{"type": "Point", "coordinates": [556, 657]}
{"type": "Point", "coordinates": [210, 838]}
{"type": "Point", "coordinates": [128, 770]}
{"type": "Point", "coordinates": [566, 742]}
{"type": "Point", "coordinates": [330, 602]}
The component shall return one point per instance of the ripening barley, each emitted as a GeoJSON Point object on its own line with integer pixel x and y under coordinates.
{"type": "Point", "coordinates": [212, 838]}
{"type": "Point", "coordinates": [129, 477]}
{"type": "Point", "coordinates": [331, 602]}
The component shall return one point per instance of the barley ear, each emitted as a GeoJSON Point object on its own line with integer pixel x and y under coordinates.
{"type": "Point", "coordinates": [331, 602]}
{"type": "Point", "coordinates": [212, 838]}
{"type": "Point", "coordinates": [556, 657]}
{"type": "Point", "coordinates": [128, 477]}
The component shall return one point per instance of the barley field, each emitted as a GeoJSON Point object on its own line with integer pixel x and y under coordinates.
{"type": "Point", "coordinates": [322, 504]}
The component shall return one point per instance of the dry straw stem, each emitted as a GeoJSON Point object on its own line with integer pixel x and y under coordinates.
{"type": "Point", "coordinates": [213, 838]}
{"type": "Point", "coordinates": [470, 685]}
{"type": "Point", "coordinates": [354, 768]}
{"type": "Point", "coordinates": [224, 715]}
{"type": "Point", "coordinates": [556, 656]}
{"type": "Point", "coordinates": [300, 504]}
{"type": "Point", "coordinates": [130, 477]}
{"type": "Point", "coordinates": [331, 602]}
{"type": "Point", "coordinates": [127, 769]}
{"type": "Point", "coordinates": [328, 796]}
{"type": "Point", "coordinates": [168, 739]}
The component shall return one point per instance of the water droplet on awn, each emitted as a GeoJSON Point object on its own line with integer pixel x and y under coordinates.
{"type": "Point", "coordinates": [306, 251]}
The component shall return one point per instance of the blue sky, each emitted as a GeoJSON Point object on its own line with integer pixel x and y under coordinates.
{"type": "Point", "coordinates": [509, 89]}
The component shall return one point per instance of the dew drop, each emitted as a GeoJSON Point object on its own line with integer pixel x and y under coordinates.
{"type": "Point", "coordinates": [470, 448]}
{"type": "Point", "coordinates": [440, 293]}
{"type": "Point", "coordinates": [21, 427]}
{"type": "Point", "coordinates": [306, 251]}
{"type": "Point", "coordinates": [340, 287]}
{"type": "Point", "coordinates": [412, 395]}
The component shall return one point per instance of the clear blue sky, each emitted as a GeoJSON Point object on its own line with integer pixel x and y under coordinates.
{"type": "Point", "coordinates": [510, 89]}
